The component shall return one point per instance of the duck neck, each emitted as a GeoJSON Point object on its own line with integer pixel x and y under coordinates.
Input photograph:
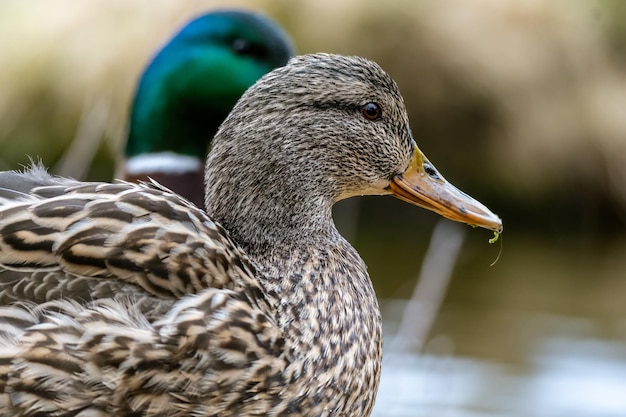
{"type": "Point", "coordinates": [319, 286]}
{"type": "Point", "coordinates": [329, 316]}
{"type": "Point", "coordinates": [272, 228]}
{"type": "Point", "coordinates": [165, 120]}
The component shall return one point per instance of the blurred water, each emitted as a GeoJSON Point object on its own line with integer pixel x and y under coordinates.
{"type": "Point", "coordinates": [558, 376]}
{"type": "Point", "coordinates": [541, 334]}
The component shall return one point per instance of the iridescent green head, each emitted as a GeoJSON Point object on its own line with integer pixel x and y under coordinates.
{"type": "Point", "coordinates": [195, 79]}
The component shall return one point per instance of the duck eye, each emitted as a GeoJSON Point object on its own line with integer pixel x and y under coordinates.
{"type": "Point", "coordinates": [244, 47]}
{"type": "Point", "coordinates": [371, 111]}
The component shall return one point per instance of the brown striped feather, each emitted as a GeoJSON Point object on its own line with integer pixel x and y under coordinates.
{"type": "Point", "coordinates": [70, 242]}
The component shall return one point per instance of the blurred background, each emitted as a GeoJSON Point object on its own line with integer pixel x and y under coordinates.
{"type": "Point", "coordinates": [521, 104]}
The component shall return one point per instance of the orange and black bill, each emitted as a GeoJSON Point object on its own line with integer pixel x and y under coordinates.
{"type": "Point", "coordinates": [422, 185]}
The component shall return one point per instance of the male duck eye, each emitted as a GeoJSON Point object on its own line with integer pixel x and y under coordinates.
{"type": "Point", "coordinates": [371, 111]}
{"type": "Point", "coordinates": [244, 47]}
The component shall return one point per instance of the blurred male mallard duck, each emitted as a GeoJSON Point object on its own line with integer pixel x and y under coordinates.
{"type": "Point", "coordinates": [189, 88]}
{"type": "Point", "coordinates": [282, 319]}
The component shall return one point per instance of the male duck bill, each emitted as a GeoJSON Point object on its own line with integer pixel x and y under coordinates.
{"type": "Point", "coordinates": [279, 318]}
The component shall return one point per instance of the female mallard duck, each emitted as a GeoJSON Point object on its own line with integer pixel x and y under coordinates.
{"type": "Point", "coordinates": [188, 90]}
{"type": "Point", "coordinates": [282, 318]}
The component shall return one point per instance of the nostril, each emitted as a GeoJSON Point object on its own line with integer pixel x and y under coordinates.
{"type": "Point", "coordinates": [431, 171]}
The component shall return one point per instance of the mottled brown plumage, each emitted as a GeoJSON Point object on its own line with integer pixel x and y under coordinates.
{"type": "Point", "coordinates": [277, 316]}
{"type": "Point", "coordinates": [90, 241]}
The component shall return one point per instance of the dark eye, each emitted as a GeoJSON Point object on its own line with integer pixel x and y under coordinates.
{"type": "Point", "coordinates": [371, 111]}
{"type": "Point", "coordinates": [242, 46]}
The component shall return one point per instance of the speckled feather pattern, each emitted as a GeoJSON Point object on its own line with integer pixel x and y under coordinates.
{"type": "Point", "coordinates": [275, 314]}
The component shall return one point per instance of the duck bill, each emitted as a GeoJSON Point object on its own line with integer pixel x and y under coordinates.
{"type": "Point", "coordinates": [422, 185]}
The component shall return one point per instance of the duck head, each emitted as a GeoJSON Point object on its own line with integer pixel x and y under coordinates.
{"type": "Point", "coordinates": [188, 89]}
{"type": "Point", "coordinates": [321, 129]}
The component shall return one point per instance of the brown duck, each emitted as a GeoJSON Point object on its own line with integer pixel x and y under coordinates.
{"type": "Point", "coordinates": [140, 304]}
